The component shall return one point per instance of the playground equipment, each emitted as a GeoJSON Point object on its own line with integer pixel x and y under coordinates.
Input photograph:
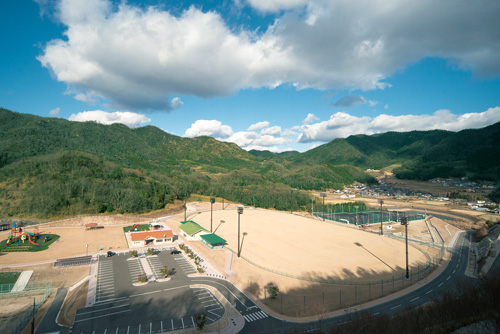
{"type": "Point", "coordinates": [17, 234]}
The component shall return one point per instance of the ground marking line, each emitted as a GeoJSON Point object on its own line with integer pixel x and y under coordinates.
{"type": "Point", "coordinates": [428, 292]}
{"type": "Point", "coordinates": [105, 331]}
{"type": "Point", "coordinates": [412, 300]}
{"type": "Point", "coordinates": [448, 278]}
{"type": "Point", "coordinates": [161, 325]}
{"type": "Point", "coordinates": [392, 308]}
{"type": "Point", "coordinates": [104, 309]}
{"type": "Point", "coordinates": [139, 329]}
{"type": "Point", "coordinates": [172, 322]}
{"type": "Point", "coordinates": [224, 287]}
{"type": "Point", "coordinates": [376, 313]}
{"type": "Point", "coordinates": [116, 299]}
{"type": "Point", "coordinates": [208, 301]}
{"type": "Point", "coordinates": [182, 319]}
{"type": "Point", "coordinates": [440, 284]}
{"type": "Point", "coordinates": [128, 329]}
{"type": "Point", "coordinates": [100, 316]}
{"type": "Point", "coordinates": [116, 332]}
{"type": "Point", "coordinates": [211, 319]}
{"type": "Point", "coordinates": [216, 314]}
{"type": "Point", "coordinates": [192, 319]}
{"type": "Point", "coordinates": [150, 328]}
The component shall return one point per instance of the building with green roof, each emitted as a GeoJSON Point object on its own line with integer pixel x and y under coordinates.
{"type": "Point", "coordinates": [212, 241]}
{"type": "Point", "coordinates": [192, 231]}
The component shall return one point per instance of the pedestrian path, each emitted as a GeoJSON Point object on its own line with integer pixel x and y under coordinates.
{"type": "Point", "coordinates": [147, 270]}
{"type": "Point", "coordinates": [22, 281]}
{"type": "Point", "coordinates": [156, 266]}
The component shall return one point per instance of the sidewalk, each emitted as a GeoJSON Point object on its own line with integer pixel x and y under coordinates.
{"type": "Point", "coordinates": [22, 281]}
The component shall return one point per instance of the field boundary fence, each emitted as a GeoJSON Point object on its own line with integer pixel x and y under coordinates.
{"type": "Point", "coordinates": [40, 292]}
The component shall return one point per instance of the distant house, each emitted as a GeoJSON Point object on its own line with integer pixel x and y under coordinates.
{"type": "Point", "coordinates": [150, 238]}
{"type": "Point", "coordinates": [192, 231]}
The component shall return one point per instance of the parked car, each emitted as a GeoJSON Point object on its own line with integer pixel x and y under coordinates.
{"type": "Point", "coordinates": [110, 253]}
{"type": "Point", "coordinates": [175, 251]}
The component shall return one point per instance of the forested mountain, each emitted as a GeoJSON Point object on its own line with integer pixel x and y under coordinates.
{"type": "Point", "coordinates": [51, 166]}
{"type": "Point", "coordinates": [54, 167]}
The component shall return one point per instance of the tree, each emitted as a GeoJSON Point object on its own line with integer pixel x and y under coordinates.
{"type": "Point", "coordinates": [143, 278]}
{"type": "Point", "coordinates": [133, 253]}
{"type": "Point", "coordinates": [200, 320]}
{"type": "Point", "coordinates": [165, 271]}
{"type": "Point", "coordinates": [151, 251]}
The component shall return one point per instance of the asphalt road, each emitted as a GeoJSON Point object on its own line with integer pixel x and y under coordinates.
{"type": "Point", "coordinates": [167, 306]}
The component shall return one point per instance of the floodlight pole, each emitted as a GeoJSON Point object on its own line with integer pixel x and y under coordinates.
{"type": "Point", "coordinates": [356, 214]}
{"type": "Point", "coordinates": [291, 191]}
{"type": "Point", "coordinates": [404, 221]}
{"type": "Point", "coordinates": [223, 193]}
{"type": "Point", "coordinates": [381, 217]}
{"type": "Point", "coordinates": [323, 195]}
{"type": "Point", "coordinates": [33, 318]}
{"type": "Point", "coordinates": [212, 201]}
{"type": "Point", "coordinates": [185, 208]}
{"type": "Point", "coordinates": [240, 211]}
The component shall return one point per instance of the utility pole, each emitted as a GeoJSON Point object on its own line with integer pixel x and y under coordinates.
{"type": "Point", "coordinates": [212, 201]}
{"type": "Point", "coordinates": [33, 319]}
{"type": "Point", "coordinates": [185, 207]}
{"type": "Point", "coordinates": [291, 191]}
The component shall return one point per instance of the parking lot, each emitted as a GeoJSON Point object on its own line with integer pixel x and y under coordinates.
{"type": "Point", "coordinates": [155, 307]}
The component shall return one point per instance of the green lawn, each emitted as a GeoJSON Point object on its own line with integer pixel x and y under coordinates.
{"type": "Point", "coordinates": [9, 277]}
{"type": "Point", "coordinates": [143, 227]}
{"type": "Point", "coordinates": [28, 247]}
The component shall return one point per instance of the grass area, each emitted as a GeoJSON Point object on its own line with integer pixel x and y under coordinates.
{"type": "Point", "coordinates": [136, 228]}
{"type": "Point", "coordinates": [28, 247]}
{"type": "Point", "coordinates": [9, 277]}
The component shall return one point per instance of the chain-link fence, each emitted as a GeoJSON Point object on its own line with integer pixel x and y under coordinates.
{"type": "Point", "coordinates": [15, 322]}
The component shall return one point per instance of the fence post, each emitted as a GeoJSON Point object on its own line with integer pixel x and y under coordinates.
{"type": "Point", "coordinates": [281, 298]}
{"type": "Point", "coordinates": [340, 297]}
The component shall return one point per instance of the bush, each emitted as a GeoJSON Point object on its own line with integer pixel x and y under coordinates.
{"type": "Point", "coordinates": [133, 253]}
{"type": "Point", "coordinates": [200, 320]}
{"type": "Point", "coordinates": [272, 290]}
{"type": "Point", "coordinates": [143, 278]}
{"type": "Point", "coordinates": [151, 251]}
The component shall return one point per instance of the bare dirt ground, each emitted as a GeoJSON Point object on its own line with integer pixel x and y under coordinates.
{"type": "Point", "coordinates": [307, 247]}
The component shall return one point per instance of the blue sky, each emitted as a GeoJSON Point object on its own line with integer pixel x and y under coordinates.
{"type": "Point", "coordinates": [265, 74]}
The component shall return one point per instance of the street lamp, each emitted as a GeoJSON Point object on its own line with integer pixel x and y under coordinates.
{"type": "Point", "coordinates": [404, 221]}
{"type": "Point", "coordinates": [223, 193]}
{"type": "Point", "coordinates": [87, 245]}
{"type": "Point", "coordinates": [381, 217]}
{"type": "Point", "coordinates": [240, 212]}
{"type": "Point", "coordinates": [323, 195]}
{"type": "Point", "coordinates": [212, 201]}
{"type": "Point", "coordinates": [291, 191]}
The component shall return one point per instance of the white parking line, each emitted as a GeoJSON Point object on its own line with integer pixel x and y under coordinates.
{"type": "Point", "coordinates": [392, 308]}
{"type": "Point", "coordinates": [428, 292]}
{"type": "Point", "coordinates": [414, 299]}
{"type": "Point", "coordinates": [440, 284]}
{"type": "Point", "coordinates": [101, 316]}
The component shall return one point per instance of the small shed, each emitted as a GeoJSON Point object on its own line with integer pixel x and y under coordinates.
{"type": "Point", "coordinates": [91, 226]}
{"type": "Point", "coordinates": [213, 241]}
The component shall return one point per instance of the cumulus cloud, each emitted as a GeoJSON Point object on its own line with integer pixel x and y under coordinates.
{"type": "Point", "coordinates": [258, 126]}
{"type": "Point", "coordinates": [139, 58]}
{"type": "Point", "coordinates": [310, 118]}
{"type": "Point", "coordinates": [212, 128]}
{"type": "Point", "coordinates": [258, 136]}
{"type": "Point", "coordinates": [130, 119]}
{"type": "Point", "coordinates": [55, 112]}
{"type": "Point", "coordinates": [341, 125]}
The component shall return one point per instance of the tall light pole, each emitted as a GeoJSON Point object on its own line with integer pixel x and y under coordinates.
{"type": "Point", "coordinates": [240, 212]}
{"type": "Point", "coordinates": [323, 195]}
{"type": "Point", "coordinates": [291, 191]}
{"type": "Point", "coordinates": [381, 217]}
{"type": "Point", "coordinates": [212, 201]}
{"type": "Point", "coordinates": [356, 214]}
{"type": "Point", "coordinates": [404, 221]}
{"type": "Point", "coordinates": [185, 207]}
{"type": "Point", "coordinates": [223, 193]}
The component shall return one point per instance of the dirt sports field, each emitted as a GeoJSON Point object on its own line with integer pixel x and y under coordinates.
{"type": "Point", "coordinates": [308, 247]}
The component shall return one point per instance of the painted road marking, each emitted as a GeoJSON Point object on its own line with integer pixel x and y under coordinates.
{"type": "Point", "coordinates": [428, 292]}
{"type": "Point", "coordinates": [414, 299]}
{"type": "Point", "coordinates": [392, 308]}
{"type": "Point", "coordinates": [440, 284]}
{"type": "Point", "coordinates": [101, 316]}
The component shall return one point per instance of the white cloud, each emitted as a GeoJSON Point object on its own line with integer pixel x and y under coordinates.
{"type": "Point", "coordinates": [212, 128]}
{"type": "Point", "coordinates": [310, 119]}
{"type": "Point", "coordinates": [55, 112]}
{"type": "Point", "coordinates": [276, 5]}
{"type": "Point", "coordinates": [130, 119]}
{"type": "Point", "coordinates": [273, 131]}
{"type": "Point", "coordinates": [138, 58]}
{"type": "Point", "coordinates": [342, 125]}
{"type": "Point", "coordinates": [258, 126]}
